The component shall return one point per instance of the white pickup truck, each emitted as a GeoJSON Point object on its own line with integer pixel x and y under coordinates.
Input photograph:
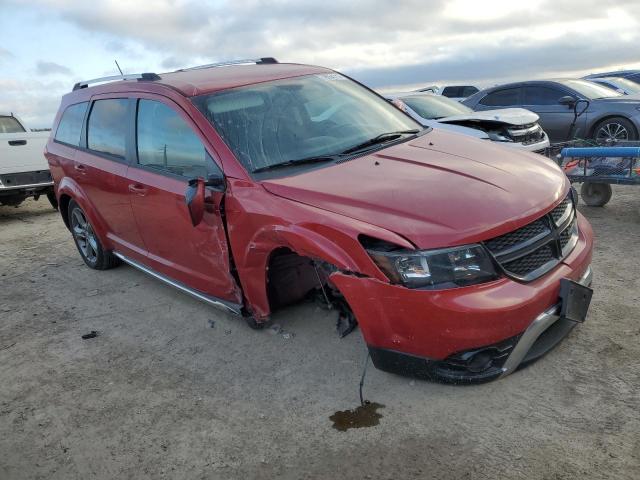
{"type": "Point", "coordinates": [24, 171]}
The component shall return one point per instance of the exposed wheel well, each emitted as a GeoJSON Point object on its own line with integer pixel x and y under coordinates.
{"type": "Point", "coordinates": [64, 208]}
{"type": "Point", "coordinates": [609, 117]}
{"type": "Point", "coordinates": [290, 278]}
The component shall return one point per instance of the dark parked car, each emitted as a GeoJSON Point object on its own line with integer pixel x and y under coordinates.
{"type": "Point", "coordinates": [610, 115]}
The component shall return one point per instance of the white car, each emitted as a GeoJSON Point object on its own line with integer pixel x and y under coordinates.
{"type": "Point", "coordinates": [454, 92]}
{"type": "Point", "coordinates": [513, 127]}
{"type": "Point", "coordinates": [24, 171]}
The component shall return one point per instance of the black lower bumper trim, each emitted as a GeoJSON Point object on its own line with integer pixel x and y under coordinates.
{"type": "Point", "coordinates": [452, 371]}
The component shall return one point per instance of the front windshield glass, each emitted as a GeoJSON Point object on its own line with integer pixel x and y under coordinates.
{"type": "Point", "coordinates": [299, 118]}
{"type": "Point", "coordinates": [432, 106]}
{"type": "Point", "coordinates": [591, 90]}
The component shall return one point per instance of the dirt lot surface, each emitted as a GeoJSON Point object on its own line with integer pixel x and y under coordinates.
{"type": "Point", "coordinates": [174, 389]}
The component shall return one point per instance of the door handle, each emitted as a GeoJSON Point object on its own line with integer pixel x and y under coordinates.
{"type": "Point", "coordinates": [17, 143]}
{"type": "Point", "coordinates": [78, 167]}
{"type": "Point", "coordinates": [137, 189]}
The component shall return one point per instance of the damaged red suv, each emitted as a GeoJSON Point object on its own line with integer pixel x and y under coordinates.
{"type": "Point", "coordinates": [250, 185]}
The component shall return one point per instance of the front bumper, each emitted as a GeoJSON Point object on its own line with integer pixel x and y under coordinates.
{"type": "Point", "coordinates": [530, 147]}
{"type": "Point", "coordinates": [432, 334]}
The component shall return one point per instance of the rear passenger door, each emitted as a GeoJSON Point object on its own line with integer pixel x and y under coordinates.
{"type": "Point", "coordinates": [555, 118]}
{"type": "Point", "coordinates": [100, 167]}
{"type": "Point", "coordinates": [169, 152]}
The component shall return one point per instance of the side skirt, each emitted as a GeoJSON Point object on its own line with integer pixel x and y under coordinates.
{"type": "Point", "coordinates": [216, 302]}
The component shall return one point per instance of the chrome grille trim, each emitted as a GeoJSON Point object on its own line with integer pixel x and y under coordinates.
{"type": "Point", "coordinates": [537, 250]}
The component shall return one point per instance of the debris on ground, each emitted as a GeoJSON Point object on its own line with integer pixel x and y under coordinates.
{"type": "Point", "coordinates": [91, 334]}
{"type": "Point", "coordinates": [212, 323]}
{"type": "Point", "coordinates": [92, 293]}
{"type": "Point", "coordinates": [276, 329]}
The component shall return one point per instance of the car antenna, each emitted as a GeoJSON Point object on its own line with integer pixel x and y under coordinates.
{"type": "Point", "coordinates": [119, 69]}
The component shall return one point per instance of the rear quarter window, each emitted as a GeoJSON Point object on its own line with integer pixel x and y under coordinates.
{"type": "Point", "coordinates": [10, 125]}
{"type": "Point", "coordinates": [107, 126]}
{"type": "Point", "coordinates": [70, 125]}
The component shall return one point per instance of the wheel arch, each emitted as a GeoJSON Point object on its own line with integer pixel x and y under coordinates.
{"type": "Point", "coordinates": [69, 190]}
{"type": "Point", "coordinates": [597, 122]}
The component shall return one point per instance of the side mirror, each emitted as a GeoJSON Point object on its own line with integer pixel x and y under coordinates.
{"type": "Point", "coordinates": [194, 197]}
{"type": "Point", "coordinates": [567, 100]}
{"type": "Point", "coordinates": [216, 183]}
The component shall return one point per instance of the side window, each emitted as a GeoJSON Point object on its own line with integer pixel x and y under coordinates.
{"type": "Point", "coordinates": [70, 124]}
{"type": "Point", "coordinates": [452, 92]}
{"type": "Point", "coordinates": [166, 142]}
{"type": "Point", "coordinates": [535, 95]}
{"type": "Point", "coordinates": [501, 98]}
{"type": "Point", "coordinates": [107, 127]}
{"type": "Point", "coordinates": [10, 125]}
{"type": "Point", "coordinates": [468, 91]}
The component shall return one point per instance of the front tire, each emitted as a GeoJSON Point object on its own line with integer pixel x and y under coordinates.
{"type": "Point", "coordinates": [87, 241]}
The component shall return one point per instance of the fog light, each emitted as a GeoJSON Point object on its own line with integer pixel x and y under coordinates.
{"type": "Point", "coordinates": [480, 362]}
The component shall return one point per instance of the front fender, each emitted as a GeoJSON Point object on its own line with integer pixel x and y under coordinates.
{"type": "Point", "coordinates": [260, 223]}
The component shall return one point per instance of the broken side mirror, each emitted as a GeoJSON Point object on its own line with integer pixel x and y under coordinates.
{"type": "Point", "coordinates": [567, 100]}
{"type": "Point", "coordinates": [194, 197]}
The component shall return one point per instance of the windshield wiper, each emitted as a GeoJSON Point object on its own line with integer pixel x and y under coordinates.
{"type": "Point", "coordinates": [300, 161]}
{"type": "Point", "coordinates": [382, 138]}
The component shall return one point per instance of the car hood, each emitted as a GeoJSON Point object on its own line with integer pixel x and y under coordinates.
{"type": "Point", "coordinates": [440, 189]}
{"type": "Point", "coordinates": [509, 116]}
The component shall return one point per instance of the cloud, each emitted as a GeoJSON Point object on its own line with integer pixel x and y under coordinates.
{"type": "Point", "coordinates": [5, 54]}
{"type": "Point", "coordinates": [379, 42]}
{"type": "Point", "coordinates": [51, 68]}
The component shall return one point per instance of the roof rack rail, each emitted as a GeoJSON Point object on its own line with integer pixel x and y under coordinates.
{"type": "Point", "coordinates": [256, 61]}
{"type": "Point", "coordinates": [133, 76]}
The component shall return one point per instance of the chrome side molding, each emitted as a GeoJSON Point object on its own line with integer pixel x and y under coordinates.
{"type": "Point", "coordinates": [216, 302]}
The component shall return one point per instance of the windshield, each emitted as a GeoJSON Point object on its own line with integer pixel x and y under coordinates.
{"type": "Point", "coordinates": [298, 118]}
{"type": "Point", "coordinates": [591, 90]}
{"type": "Point", "coordinates": [432, 107]}
{"type": "Point", "coordinates": [632, 88]}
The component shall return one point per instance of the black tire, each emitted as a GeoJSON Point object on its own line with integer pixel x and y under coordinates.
{"type": "Point", "coordinates": [596, 194]}
{"type": "Point", "coordinates": [87, 241]}
{"type": "Point", "coordinates": [615, 128]}
{"type": "Point", "coordinates": [52, 200]}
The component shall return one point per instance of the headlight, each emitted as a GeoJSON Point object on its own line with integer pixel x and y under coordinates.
{"type": "Point", "coordinates": [496, 137]}
{"type": "Point", "coordinates": [444, 268]}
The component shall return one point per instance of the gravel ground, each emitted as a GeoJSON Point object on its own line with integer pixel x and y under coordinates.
{"type": "Point", "coordinates": [174, 389]}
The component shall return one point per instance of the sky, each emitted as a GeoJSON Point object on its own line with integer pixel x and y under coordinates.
{"type": "Point", "coordinates": [48, 45]}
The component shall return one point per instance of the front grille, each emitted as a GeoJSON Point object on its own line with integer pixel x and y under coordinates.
{"type": "Point", "coordinates": [517, 237]}
{"type": "Point", "coordinates": [531, 262]}
{"type": "Point", "coordinates": [530, 251]}
{"type": "Point", "coordinates": [25, 178]}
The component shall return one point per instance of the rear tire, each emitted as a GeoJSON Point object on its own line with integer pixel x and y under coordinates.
{"type": "Point", "coordinates": [615, 129]}
{"type": "Point", "coordinates": [52, 200]}
{"type": "Point", "coordinates": [87, 241]}
{"type": "Point", "coordinates": [596, 194]}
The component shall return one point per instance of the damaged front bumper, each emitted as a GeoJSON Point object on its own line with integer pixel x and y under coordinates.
{"type": "Point", "coordinates": [465, 335]}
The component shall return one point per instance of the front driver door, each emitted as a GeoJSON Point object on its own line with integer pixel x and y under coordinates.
{"type": "Point", "coordinates": [169, 152]}
{"type": "Point", "coordinates": [555, 119]}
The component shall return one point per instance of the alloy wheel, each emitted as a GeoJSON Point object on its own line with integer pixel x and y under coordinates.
{"type": "Point", "coordinates": [612, 132]}
{"type": "Point", "coordinates": [84, 235]}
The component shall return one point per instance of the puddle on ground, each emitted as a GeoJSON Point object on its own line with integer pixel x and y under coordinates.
{"type": "Point", "coordinates": [365, 415]}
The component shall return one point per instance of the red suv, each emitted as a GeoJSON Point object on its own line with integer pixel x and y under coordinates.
{"type": "Point", "coordinates": [253, 185]}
